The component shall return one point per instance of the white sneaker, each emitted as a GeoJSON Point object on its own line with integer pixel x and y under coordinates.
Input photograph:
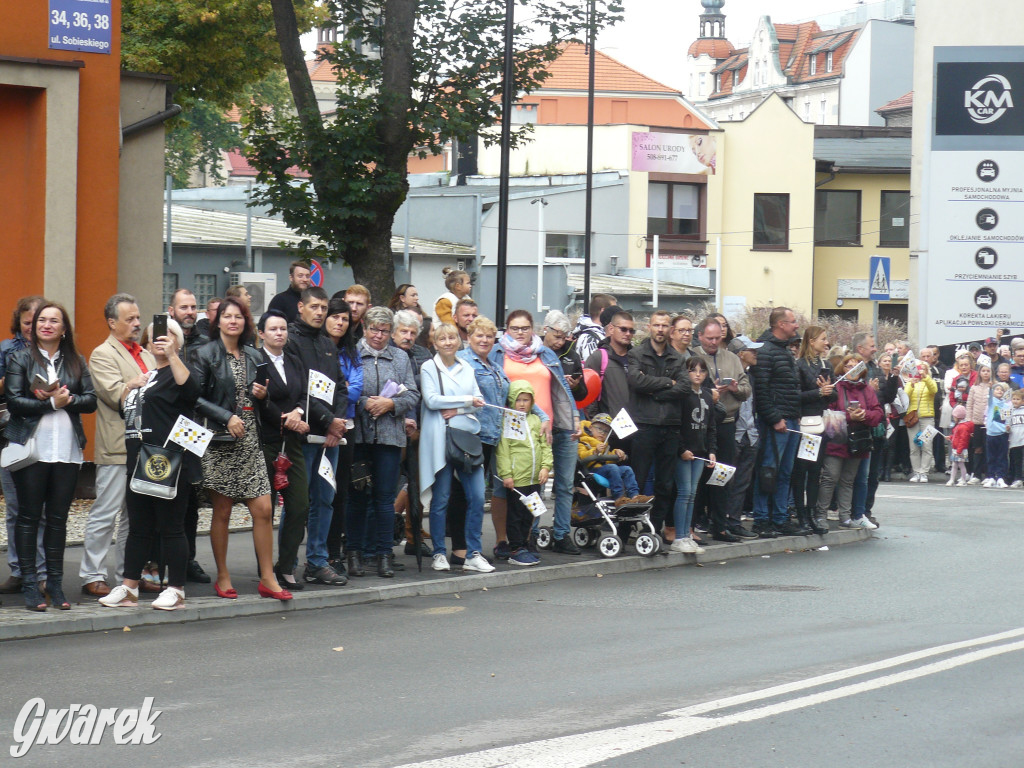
{"type": "Point", "coordinates": [1017, 484]}
{"type": "Point", "coordinates": [923, 478]}
{"type": "Point", "coordinates": [440, 563]}
{"type": "Point", "coordinates": [950, 482]}
{"type": "Point", "coordinates": [171, 599]}
{"type": "Point", "coordinates": [989, 482]}
{"type": "Point", "coordinates": [974, 480]}
{"type": "Point", "coordinates": [1000, 483]}
{"type": "Point", "coordinates": [915, 478]}
{"type": "Point", "coordinates": [863, 522]}
{"type": "Point", "coordinates": [961, 484]}
{"type": "Point", "coordinates": [477, 562]}
{"type": "Point", "coordinates": [121, 597]}
{"type": "Point", "coordinates": [686, 546]}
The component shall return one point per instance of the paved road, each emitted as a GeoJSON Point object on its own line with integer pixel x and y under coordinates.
{"type": "Point", "coordinates": [625, 670]}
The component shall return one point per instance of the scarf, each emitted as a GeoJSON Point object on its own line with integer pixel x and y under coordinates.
{"type": "Point", "coordinates": [521, 353]}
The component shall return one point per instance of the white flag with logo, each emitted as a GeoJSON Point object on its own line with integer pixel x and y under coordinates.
{"type": "Point", "coordinates": [809, 447]}
{"type": "Point", "coordinates": [623, 425]}
{"type": "Point", "coordinates": [721, 474]}
{"type": "Point", "coordinates": [326, 471]}
{"type": "Point", "coordinates": [190, 436]}
{"type": "Point", "coordinates": [534, 503]}
{"type": "Point", "coordinates": [321, 386]}
{"type": "Point", "coordinates": [929, 433]}
{"type": "Point", "coordinates": [515, 427]}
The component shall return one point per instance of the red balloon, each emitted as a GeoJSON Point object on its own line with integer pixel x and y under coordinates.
{"type": "Point", "coordinates": [593, 381]}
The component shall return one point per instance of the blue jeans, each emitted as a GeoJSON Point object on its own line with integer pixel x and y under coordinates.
{"type": "Point", "coordinates": [370, 519]}
{"type": "Point", "coordinates": [565, 450]}
{"type": "Point", "coordinates": [473, 487]}
{"type": "Point", "coordinates": [775, 508]}
{"type": "Point", "coordinates": [860, 490]}
{"type": "Point", "coordinates": [621, 480]}
{"type": "Point", "coordinates": [321, 504]}
{"type": "Point", "coordinates": [687, 476]}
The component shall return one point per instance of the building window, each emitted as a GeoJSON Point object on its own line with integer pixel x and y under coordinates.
{"type": "Point", "coordinates": [524, 114]}
{"type": "Point", "coordinates": [828, 61]}
{"type": "Point", "coordinates": [735, 78]}
{"type": "Point", "coordinates": [562, 246]}
{"type": "Point", "coordinates": [846, 315]}
{"type": "Point", "coordinates": [170, 286]}
{"type": "Point", "coordinates": [837, 217]}
{"type": "Point", "coordinates": [807, 110]}
{"type": "Point", "coordinates": [771, 222]}
{"type": "Point", "coordinates": [813, 65]}
{"type": "Point", "coordinates": [824, 109]}
{"type": "Point", "coordinates": [718, 83]}
{"type": "Point", "coordinates": [703, 82]}
{"type": "Point", "coordinates": [673, 209]}
{"type": "Point", "coordinates": [205, 288]}
{"type": "Point", "coordinates": [894, 227]}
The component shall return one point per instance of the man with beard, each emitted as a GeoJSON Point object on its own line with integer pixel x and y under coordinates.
{"type": "Point", "coordinates": [287, 301]}
{"type": "Point", "coordinates": [465, 312]}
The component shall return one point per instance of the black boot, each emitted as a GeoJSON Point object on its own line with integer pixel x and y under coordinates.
{"type": "Point", "coordinates": [355, 564]}
{"type": "Point", "coordinates": [819, 522]}
{"type": "Point", "coordinates": [34, 600]}
{"type": "Point", "coordinates": [385, 565]}
{"type": "Point", "coordinates": [803, 524]}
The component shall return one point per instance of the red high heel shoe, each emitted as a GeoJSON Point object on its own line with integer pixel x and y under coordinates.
{"type": "Point", "coordinates": [230, 593]}
{"type": "Point", "coordinates": [283, 594]}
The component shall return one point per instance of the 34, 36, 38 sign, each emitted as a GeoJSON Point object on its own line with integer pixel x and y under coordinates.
{"type": "Point", "coordinates": [80, 25]}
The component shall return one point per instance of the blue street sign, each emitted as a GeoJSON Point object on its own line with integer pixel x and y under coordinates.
{"type": "Point", "coordinates": [80, 25]}
{"type": "Point", "coordinates": [879, 284]}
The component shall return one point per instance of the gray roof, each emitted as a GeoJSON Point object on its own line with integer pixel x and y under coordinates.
{"type": "Point", "coordinates": [874, 154]}
{"type": "Point", "coordinates": [628, 285]}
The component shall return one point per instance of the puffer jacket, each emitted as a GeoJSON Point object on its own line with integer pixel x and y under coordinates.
{"type": "Point", "coordinates": [26, 409]}
{"type": "Point", "coordinates": [873, 414]}
{"type": "Point", "coordinates": [390, 363]}
{"type": "Point", "coordinates": [922, 397]}
{"type": "Point", "coordinates": [776, 381]}
{"type": "Point", "coordinates": [811, 401]}
{"type": "Point", "coordinates": [977, 403]}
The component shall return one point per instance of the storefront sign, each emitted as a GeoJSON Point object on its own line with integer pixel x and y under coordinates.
{"type": "Point", "coordinates": [675, 152]}
{"type": "Point", "coordinates": [80, 25]}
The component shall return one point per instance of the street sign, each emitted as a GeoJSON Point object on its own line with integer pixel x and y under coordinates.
{"type": "Point", "coordinates": [316, 273]}
{"type": "Point", "coordinates": [878, 279]}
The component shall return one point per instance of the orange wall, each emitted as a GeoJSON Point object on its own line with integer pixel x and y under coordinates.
{"type": "Point", "coordinates": [572, 110]}
{"type": "Point", "coordinates": [22, 195]}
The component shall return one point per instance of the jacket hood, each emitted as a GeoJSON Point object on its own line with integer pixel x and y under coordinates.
{"type": "Point", "coordinates": [302, 328]}
{"type": "Point", "coordinates": [516, 389]}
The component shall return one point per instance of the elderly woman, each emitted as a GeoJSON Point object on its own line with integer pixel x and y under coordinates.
{"type": "Point", "coordinates": [150, 413]}
{"type": "Point", "coordinates": [49, 423]}
{"type": "Point", "coordinates": [450, 400]}
{"type": "Point", "coordinates": [523, 356]}
{"type": "Point", "coordinates": [389, 395]}
{"type": "Point", "coordinates": [555, 334]}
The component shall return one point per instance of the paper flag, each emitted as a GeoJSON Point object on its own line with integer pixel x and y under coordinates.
{"type": "Point", "coordinates": [190, 436]}
{"type": "Point", "coordinates": [984, 360]}
{"type": "Point", "coordinates": [929, 433]}
{"type": "Point", "coordinates": [809, 447]}
{"type": "Point", "coordinates": [623, 425]}
{"type": "Point", "coordinates": [721, 474]}
{"type": "Point", "coordinates": [515, 426]}
{"type": "Point", "coordinates": [321, 387]}
{"type": "Point", "coordinates": [854, 372]}
{"type": "Point", "coordinates": [326, 471]}
{"type": "Point", "coordinates": [535, 504]}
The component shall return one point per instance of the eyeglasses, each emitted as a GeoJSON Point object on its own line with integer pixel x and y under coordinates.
{"type": "Point", "coordinates": [624, 329]}
{"type": "Point", "coordinates": [684, 330]}
{"type": "Point", "coordinates": [377, 331]}
{"type": "Point", "coordinates": [519, 328]}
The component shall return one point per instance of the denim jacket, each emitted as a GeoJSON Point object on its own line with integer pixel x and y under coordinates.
{"type": "Point", "coordinates": [494, 386]}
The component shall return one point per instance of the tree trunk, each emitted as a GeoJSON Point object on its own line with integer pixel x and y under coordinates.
{"type": "Point", "coordinates": [375, 266]}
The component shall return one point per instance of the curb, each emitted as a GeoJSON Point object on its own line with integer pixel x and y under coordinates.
{"type": "Point", "coordinates": [92, 617]}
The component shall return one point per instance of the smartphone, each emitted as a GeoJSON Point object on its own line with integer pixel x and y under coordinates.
{"type": "Point", "coordinates": [852, 405]}
{"type": "Point", "coordinates": [727, 381]}
{"type": "Point", "coordinates": [159, 326]}
{"type": "Point", "coordinates": [262, 372]}
{"type": "Point", "coordinates": [41, 382]}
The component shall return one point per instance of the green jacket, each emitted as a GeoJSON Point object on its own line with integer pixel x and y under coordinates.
{"type": "Point", "coordinates": [522, 460]}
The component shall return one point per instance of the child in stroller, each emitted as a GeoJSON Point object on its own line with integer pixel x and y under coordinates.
{"type": "Point", "coordinates": [621, 480]}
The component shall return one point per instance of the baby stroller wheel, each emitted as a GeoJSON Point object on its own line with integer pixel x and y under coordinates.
{"type": "Point", "coordinates": [647, 544]}
{"type": "Point", "coordinates": [609, 545]}
{"type": "Point", "coordinates": [580, 537]}
{"type": "Point", "coordinates": [545, 537]}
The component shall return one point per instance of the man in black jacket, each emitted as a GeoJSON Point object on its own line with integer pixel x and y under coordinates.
{"type": "Point", "coordinates": [316, 351]}
{"type": "Point", "coordinates": [287, 301]}
{"type": "Point", "coordinates": [657, 384]}
{"type": "Point", "coordinates": [777, 384]}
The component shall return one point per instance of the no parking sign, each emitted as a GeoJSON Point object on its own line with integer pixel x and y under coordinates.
{"type": "Point", "coordinates": [316, 273]}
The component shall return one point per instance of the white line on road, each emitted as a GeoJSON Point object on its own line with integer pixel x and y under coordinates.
{"type": "Point", "coordinates": [586, 749]}
{"type": "Point", "coordinates": [915, 498]}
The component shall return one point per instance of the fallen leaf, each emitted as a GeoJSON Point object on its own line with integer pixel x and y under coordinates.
{"type": "Point", "coordinates": [484, 589]}
{"type": "Point", "coordinates": [127, 629]}
{"type": "Point", "coordinates": [765, 557]}
{"type": "Point", "coordinates": [458, 596]}
{"type": "Point", "coordinates": [339, 648]}
{"type": "Point", "coordinates": [492, 674]}
{"type": "Point", "coordinates": [600, 575]}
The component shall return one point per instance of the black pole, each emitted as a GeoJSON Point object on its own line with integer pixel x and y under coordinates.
{"type": "Point", "coordinates": [590, 160]}
{"type": "Point", "coordinates": [506, 136]}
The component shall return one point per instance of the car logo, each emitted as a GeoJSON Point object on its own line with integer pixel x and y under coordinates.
{"type": "Point", "coordinates": [989, 99]}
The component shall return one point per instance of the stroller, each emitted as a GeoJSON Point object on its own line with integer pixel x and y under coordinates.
{"type": "Point", "coordinates": [597, 521]}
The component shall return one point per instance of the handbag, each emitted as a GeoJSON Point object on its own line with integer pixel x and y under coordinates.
{"type": "Point", "coordinates": [156, 471]}
{"type": "Point", "coordinates": [462, 449]}
{"type": "Point", "coordinates": [858, 435]}
{"type": "Point", "coordinates": [911, 417]}
{"type": "Point", "coordinates": [17, 456]}
{"type": "Point", "coordinates": [812, 425]}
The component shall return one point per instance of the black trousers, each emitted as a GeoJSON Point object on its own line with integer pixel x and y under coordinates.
{"type": "Point", "coordinates": [520, 519]}
{"type": "Point", "coordinates": [292, 527]}
{"type": "Point", "coordinates": [48, 487]}
{"type": "Point", "coordinates": [191, 520]}
{"type": "Point", "coordinates": [157, 522]}
{"type": "Point", "coordinates": [342, 478]}
{"type": "Point", "coordinates": [719, 494]}
{"type": "Point", "coordinates": [976, 463]}
{"type": "Point", "coordinates": [806, 480]}
{"type": "Point", "coordinates": [657, 447]}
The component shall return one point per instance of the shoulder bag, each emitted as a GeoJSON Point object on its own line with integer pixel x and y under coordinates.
{"type": "Point", "coordinates": [16, 456]}
{"type": "Point", "coordinates": [858, 434]}
{"type": "Point", "coordinates": [462, 449]}
{"type": "Point", "coordinates": [156, 471]}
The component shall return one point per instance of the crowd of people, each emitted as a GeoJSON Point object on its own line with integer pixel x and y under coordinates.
{"type": "Point", "coordinates": [350, 413]}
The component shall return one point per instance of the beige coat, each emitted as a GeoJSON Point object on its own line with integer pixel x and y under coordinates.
{"type": "Point", "coordinates": [112, 366]}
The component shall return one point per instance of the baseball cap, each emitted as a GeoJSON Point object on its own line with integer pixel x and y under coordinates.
{"type": "Point", "coordinates": [990, 340]}
{"type": "Point", "coordinates": [744, 342]}
{"type": "Point", "coordinates": [975, 347]}
{"type": "Point", "coordinates": [602, 418]}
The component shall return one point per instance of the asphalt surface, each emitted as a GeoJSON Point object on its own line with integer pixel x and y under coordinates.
{"type": "Point", "coordinates": [630, 669]}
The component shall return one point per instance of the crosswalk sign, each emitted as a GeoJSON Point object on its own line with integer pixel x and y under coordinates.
{"type": "Point", "coordinates": [879, 284]}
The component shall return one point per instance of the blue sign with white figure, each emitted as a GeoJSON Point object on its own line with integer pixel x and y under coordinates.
{"type": "Point", "coordinates": [879, 284]}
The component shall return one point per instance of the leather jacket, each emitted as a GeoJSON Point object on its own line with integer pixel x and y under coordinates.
{"type": "Point", "coordinates": [26, 409]}
{"type": "Point", "coordinates": [212, 370]}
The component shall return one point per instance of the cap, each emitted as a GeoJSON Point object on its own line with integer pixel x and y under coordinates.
{"type": "Point", "coordinates": [744, 342]}
{"type": "Point", "coordinates": [794, 340]}
{"type": "Point", "coordinates": [602, 418]}
{"type": "Point", "coordinates": [974, 346]}
{"type": "Point", "coordinates": [990, 340]}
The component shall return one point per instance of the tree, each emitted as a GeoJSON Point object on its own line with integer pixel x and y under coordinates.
{"type": "Point", "coordinates": [437, 77]}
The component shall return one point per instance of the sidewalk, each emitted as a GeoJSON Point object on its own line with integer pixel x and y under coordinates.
{"type": "Point", "coordinates": [87, 615]}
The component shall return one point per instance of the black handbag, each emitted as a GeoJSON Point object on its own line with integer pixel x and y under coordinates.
{"type": "Point", "coordinates": [462, 450]}
{"type": "Point", "coordinates": [156, 471]}
{"type": "Point", "coordinates": [858, 435]}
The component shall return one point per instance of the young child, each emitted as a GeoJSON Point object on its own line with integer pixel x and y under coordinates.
{"type": "Point", "coordinates": [459, 286]}
{"type": "Point", "coordinates": [525, 466]}
{"type": "Point", "coordinates": [1015, 423]}
{"type": "Point", "coordinates": [996, 438]}
{"type": "Point", "coordinates": [620, 477]}
{"type": "Point", "coordinates": [697, 440]}
{"type": "Point", "coordinates": [961, 443]}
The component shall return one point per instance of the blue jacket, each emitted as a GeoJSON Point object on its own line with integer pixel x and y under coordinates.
{"type": "Point", "coordinates": [353, 370]}
{"type": "Point", "coordinates": [494, 386]}
{"type": "Point", "coordinates": [562, 400]}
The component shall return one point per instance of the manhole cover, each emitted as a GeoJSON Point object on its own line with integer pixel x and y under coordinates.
{"type": "Point", "coordinates": [776, 588]}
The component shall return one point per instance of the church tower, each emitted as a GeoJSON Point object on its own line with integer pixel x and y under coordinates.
{"type": "Point", "coordinates": [707, 52]}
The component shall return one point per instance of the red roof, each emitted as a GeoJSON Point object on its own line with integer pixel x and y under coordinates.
{"type": "Point", "coordinates": [238, 167]}
{"type": "Point", "coordinates": [714, 47]}
{"type": "Point", "coordinates": [570, 72]}
{"type": "Point", "coordinates": [319, 69]}
{"type": "Point", "coordinates": [906, 101]}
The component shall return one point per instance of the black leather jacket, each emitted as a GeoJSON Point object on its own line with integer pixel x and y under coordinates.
{"type": "Point", "coordinates": [212, 370]}
{"type": "Point", "coordinates": [26, 409]}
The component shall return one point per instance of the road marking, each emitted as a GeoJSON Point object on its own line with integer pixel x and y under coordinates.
{"type": "Point", "coordinates": [586, 749]}
{"type": "Point", "coordinates": [916, 498]}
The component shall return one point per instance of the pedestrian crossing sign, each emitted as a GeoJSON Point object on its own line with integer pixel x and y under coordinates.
{"type": "Point", "coordinates": [879, 284]}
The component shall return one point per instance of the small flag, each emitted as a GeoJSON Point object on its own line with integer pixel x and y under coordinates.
{"type": "Point", "coordinates": [534, 503]}
{"type": "Point", "coordinates": [515, 425]}
{"type": "Point", "coordinates": [321, 386]}
{"type": "Point", "coordinates": [190, 436]}
{"type": "Point", "coordinates": [809, 447]}
{"type": "Point", "coordinates": [929, 433]}
{"type": "Point", "coordinates": [623, 425]}
{"type": "Point", "coordinates": [854, 372]}
{"type": "Point", "coordinates": [721, 474]}
{"type": "Point", "coordinates": [326, 471]}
